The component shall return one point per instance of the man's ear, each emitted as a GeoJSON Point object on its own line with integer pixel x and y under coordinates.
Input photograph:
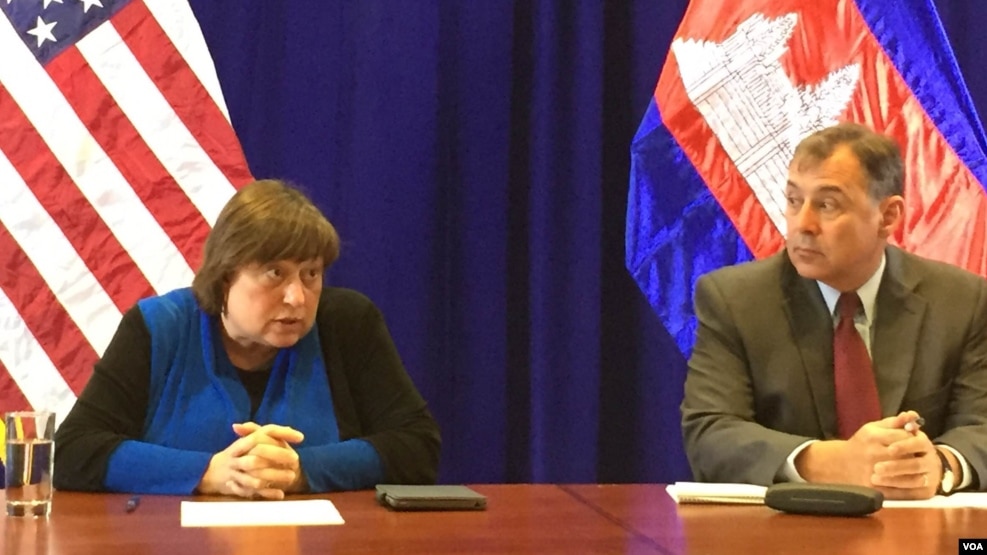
{"type": "Point", "coordinates": [892, 215]}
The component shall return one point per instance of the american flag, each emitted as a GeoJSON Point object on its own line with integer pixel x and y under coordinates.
{"type": "Point", "coordinates": [116, 156]}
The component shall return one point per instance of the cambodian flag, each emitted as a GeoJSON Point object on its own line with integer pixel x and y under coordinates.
{"type": "Point", "coordinates": [744, 81]}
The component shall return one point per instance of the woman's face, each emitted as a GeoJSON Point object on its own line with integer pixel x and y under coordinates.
{"type": "Point", "coordinates": [272, 304]}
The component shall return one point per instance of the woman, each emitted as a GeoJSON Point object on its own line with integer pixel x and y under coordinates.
{"type": "Point", "coordinates": [255, 382]}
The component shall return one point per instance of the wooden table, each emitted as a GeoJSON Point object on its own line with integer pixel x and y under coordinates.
{"type": "Point", "coordinates": [520, 519]}
{"type": "Point", "coordinates": [647, 511]}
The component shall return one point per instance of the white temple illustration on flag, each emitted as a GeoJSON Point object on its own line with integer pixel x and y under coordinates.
{"type": "Point", "coordinates": [751, 105]}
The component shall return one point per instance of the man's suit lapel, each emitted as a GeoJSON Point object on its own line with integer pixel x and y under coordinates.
{"type": "Point", "coordinates": [812, 328]}
{"type": "Point", "coordinates": [896, 330]}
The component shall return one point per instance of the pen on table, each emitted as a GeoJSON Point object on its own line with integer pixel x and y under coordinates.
{"type": "Point", "coordinates": [133, 503]}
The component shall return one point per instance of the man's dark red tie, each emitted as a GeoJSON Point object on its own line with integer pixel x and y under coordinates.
{"type": "Point", "coordinates": [857, 402]}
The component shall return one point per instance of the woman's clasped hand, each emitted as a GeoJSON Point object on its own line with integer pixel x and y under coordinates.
{"type": "Point", "coordinates": [260, 464]}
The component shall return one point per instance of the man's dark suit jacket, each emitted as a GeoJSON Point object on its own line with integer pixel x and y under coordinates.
{"type": "Point", "coordinates": [760, 380]}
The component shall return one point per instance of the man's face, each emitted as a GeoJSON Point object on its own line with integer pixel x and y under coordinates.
{"type": "Point", "coordinates": [836, 231]}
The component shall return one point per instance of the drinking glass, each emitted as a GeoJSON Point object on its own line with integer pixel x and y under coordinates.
{"type": "Point", "coordinates": [29, 462]}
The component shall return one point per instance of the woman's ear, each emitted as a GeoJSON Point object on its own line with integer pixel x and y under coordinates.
{"type": "Point", "coordinates": [225, 286]}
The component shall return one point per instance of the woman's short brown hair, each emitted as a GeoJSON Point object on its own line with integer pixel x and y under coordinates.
{"type": "Point", "coordinates": [265, 221]}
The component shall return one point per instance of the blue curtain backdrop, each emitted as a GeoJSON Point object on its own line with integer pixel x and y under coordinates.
{"type": "Point", "coordinates": [474, 157]}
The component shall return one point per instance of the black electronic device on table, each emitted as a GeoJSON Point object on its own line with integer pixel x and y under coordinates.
{"type": "Point", "coordinates": [824, 499]}
{"type": "Point", "coordinates": [430, 498]}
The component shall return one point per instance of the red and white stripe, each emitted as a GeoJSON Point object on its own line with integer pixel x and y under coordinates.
{"type": "Point", "coordinates": [115, 159]}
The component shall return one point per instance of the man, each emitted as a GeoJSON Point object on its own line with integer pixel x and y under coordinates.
{"type": "Point", "coordinates": [778, 390]}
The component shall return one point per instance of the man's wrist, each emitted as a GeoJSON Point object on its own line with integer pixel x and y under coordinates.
{"type": "Point", "coordinates": [820, 461]}
{"type": "Point", "coordinates": [788, 472]}
{"type": "Point", "coordinates": [952, 472]}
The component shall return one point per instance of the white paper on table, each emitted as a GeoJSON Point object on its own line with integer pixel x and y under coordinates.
{"type": "Point", "coordinates": [957, 500]}
{"type": "Point", "coordinates": [702, 492]}
{"type": "Point", "coordinates": [305, 512]}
